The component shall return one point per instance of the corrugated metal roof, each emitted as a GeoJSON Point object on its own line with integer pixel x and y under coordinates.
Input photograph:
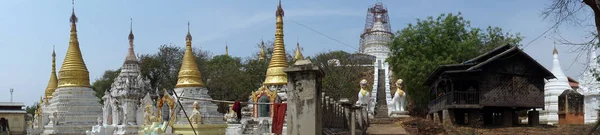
{"type": "Point", "coordinates": [12, 111]}
{"type": "Point", "coordinates": [12, 104]}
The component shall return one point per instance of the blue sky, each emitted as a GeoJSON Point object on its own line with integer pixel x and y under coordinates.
{"type": "Point", "coordinates": [28, 29]}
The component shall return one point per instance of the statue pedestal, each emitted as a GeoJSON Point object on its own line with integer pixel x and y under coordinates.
{"type": "Point", "coordinates": [234, 129]}
{"type": "Point", "coordinates": [127, 129]}
{"type": "Point", "coordinates": [399, 114]}
{"type": "Point", "coordinates": [201, 129]}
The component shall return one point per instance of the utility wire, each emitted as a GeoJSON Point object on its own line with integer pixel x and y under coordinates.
{"type": "Point", "coordinates": [554, 26]}
{"type": "Point", "coordinates": [323, 34]}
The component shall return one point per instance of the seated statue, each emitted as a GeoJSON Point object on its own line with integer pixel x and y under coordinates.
{"type": "Point", "coordinates": [364, 95]}
{"type": "Point", "coordinates": [399, 99]}
{"type": "Point", "coordinates": [231, 116]}
{"type": "Point", "coordinates": [196, 118]}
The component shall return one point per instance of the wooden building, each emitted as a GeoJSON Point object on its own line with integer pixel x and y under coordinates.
{"type": "Point", "coordinates": [488, 89]}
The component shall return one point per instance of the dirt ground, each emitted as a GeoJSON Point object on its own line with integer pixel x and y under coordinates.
{"type": "Point", "coordinates": [427, 127]}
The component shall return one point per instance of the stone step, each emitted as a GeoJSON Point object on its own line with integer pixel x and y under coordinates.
{"type": "Point", "coordinates": [381, 120]}
{"type": "Point", "coordinates": [386, 129]}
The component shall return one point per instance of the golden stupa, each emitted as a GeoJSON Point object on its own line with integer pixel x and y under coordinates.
{"type": "Point", "coordinates": [262, 55]}
{"type": "Point", "coordinates": [275, 74]}
{"type": "Point", "coordinates": [73, 72]}
{"type": "Point", "coordinates": [53, 83]}
{"type": "Point", "coordinates": [189, 74]}
{"type": "Point", "coordinates": [298, 55]}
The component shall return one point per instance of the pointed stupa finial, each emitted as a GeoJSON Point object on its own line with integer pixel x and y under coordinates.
{"type": "Point", "coordinates": [262, 55]}
{"type": "Point", "coordinates": [555, 51]}
{"type": "Point", "coordinates": [188, 37]}
{"type": "Point", "coordinates": [73, 72]}
{"type": "Point", "coordinates": [275, 74]}
{"type": "Point", "coordinates": [73, 18]}
{"type": "Point", "coordinates": [131, 31]}
{"type": "Point", "coordinates": [53, 82]}
{"type": "Point", "coordinates": [226, 49]}
{"type": "Point", "coordinates": [298, 55]}
{"type": "Point", "coordinates": [130, 58]}
{"type": "Point", "coordinates": [189, 74]}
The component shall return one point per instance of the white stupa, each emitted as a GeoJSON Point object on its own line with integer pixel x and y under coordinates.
{"type": "Point", "coordinates": [589, 87]}
{"type": "Point", "coordinates": [552, 89]}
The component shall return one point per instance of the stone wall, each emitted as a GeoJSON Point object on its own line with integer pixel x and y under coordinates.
{"type": "Point", "coordinates": [16, 122]}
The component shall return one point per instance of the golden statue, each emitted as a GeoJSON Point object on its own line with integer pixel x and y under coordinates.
{"type": "Point", "coordinates": [148, 116]}
{"type": "Point", "coordinates": [196, 118]}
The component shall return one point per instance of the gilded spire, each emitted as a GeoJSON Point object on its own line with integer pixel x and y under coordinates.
{"type": "Point", "coordinates": [53, 83]}
{"type": "Point", "coordinates": [73, 72]}
{"type": "Point", "coordinates": [130, 53]}
{"type": "Point", "coordinates": [189, 74]}
{"type": "Point", "coordinates": [226, 49]}
{"type": "Point", "coordinates": [275, 74]}
{"type": "Point", "coordinates": [298, 55]}
{"type": "Point", "coordinates": [262, 55]}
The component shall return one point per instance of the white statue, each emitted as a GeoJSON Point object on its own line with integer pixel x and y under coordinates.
{"type": "Point", "coordinates": [399, 99]}
{"type": "Point", "coordinates": [115, 111]}
{"type": "Point", "coordinates": [231, 116]}
{"type": "Point", "coordinates": [55, 118]}
{"type": "Point", "coordinates": [363, 95]}
{"type": "Point", "coordinates": [196, 118]}
{"type": "Point", "coordinates": [99, 120]}
{"type": "Point", "coordinates": [106, 109]}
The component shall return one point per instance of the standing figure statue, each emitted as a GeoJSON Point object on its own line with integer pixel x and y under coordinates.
{"type": "Point", "coordinates": [399, 97]}
{"type": "Point", "coordinates": [363, 95]}
{"type": "Point", "coordinates": [196, 118]}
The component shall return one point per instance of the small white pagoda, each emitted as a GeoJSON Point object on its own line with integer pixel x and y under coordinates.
{"type": "Point", "coordinates": [590, 88]}
{"type": "Point", "coordinates": [552, 89]}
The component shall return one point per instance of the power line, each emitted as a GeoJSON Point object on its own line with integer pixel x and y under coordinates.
{"type": "Point", "coordinates": [554, 26]}
{"type": "Point", "coordinates": [323, 34]}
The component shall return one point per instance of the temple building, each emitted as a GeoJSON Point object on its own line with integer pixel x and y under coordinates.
{"type": "Point", "coordinates": [122, 113]}
{"type": "Point", "coordinates": [13, 116]}
{"type": "Point", "coordinates": [41, 116]}
{"type": "Point", "coordinates": [374, 41]}
{"type": "Point", "coordinates": [552, 89]}
{"type": "Point", "coordinates": [590, 88]}
{"type": "Point", "coordinates": [73, 106]}
{"type": "Point", "coordinates": [189, 84]}
{"type": "Point", "coordinates": [493, 86]}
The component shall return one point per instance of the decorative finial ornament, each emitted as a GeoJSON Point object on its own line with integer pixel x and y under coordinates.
{"type": "Point", "coordinates": [275, 74]}
{"type": "Point", "coordinates": [555, 51]}
{"type": "Point", "coordinates": [188, 37]}
{"type": "Point", "coordinates": [73, 72]}
{"type": "Point", "coordinates": [131, 29]}
{"type": "Point", "coordinates": [130, 58]}
{"type": "Point", "coordinates": [189, 74]}
{"type": "Point", "coordinates": [73, 18]}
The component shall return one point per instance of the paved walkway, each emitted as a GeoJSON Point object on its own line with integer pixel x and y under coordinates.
{"type": "Point", "coordinates": [386, 129]}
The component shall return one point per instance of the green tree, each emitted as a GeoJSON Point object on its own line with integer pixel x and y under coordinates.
{"type": "Point", "coordinates": [342, 81]}
{"type": "Point", "coordinates": [227, 80]}
{"type": "Point", "coordinates": [31, 109]}
{"type": "Point", "coordinates": [104, 83]}
{"type": "Point", "coordinates": [448, 39]}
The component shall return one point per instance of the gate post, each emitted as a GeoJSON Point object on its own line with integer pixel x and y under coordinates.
{"type": "Point", "coordinates": [304, 98]}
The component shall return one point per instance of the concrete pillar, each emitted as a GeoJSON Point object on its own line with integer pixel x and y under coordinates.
{"type": "Point", "coordinates": [507, 118]}
{"type": "Point", "coordinates": [346, 104]}
{"type": "Point", "coordinates": [436, 117]}
{"type": "Point", "coordinates": [447, 117]}
{"type": "Point", "coordinates": [304, 98]}
{"type": "Point", "coordinates": [533, 118]}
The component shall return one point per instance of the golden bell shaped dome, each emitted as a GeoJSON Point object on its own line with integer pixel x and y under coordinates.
{"type": "Point", "coordinates": [53, 82]}
{"type": "Point", "coordinates": [275, 74]}
{"type": "Point", "coordinates": [189, 74]}
{"type": "Point", "coordinates": [73, 72]}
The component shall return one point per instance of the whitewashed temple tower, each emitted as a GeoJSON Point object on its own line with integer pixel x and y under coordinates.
{"type": "Point", "coordinates": [126, 91]}
{"type": "Point", "coordinates": [552, 89]}
{"type": "Point", "coordinates": [73, 105]}
{"type": "Point", "coordinates": [374, 41]}
{"type": "Point", "coordinates": [590, 88]}
{"type": "Point", "coordinates": [189, 84]}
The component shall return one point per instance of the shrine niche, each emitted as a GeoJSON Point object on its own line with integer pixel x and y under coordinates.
{"type": "Point", "coordinates": [263, 95]}
{"type": "Point", "coordinates": [570, 108]}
